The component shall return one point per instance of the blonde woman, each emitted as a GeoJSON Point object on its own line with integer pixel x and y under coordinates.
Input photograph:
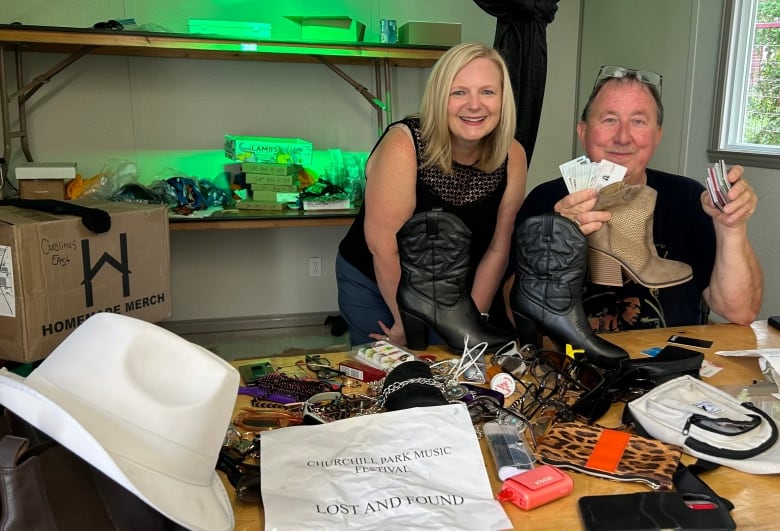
{"type": "Point", "coordinates": [457, 154]}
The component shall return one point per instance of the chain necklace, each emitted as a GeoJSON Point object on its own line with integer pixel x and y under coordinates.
{"type": "Point", "coordinates": [397, 386]}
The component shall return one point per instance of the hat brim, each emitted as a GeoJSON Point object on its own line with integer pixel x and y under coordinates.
{"type": "Point", "coordinates": [204, 506]}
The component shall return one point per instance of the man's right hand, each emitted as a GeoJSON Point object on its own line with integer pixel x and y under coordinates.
{"type": "Point", "coordinates": [578, 207]}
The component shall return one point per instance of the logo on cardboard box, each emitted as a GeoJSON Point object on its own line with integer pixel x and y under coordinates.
{"type": "Point", "coordinates": [120, 264]}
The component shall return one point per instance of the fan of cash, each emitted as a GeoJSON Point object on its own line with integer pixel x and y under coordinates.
{"type": "Point", "coordinates": [581, 173]}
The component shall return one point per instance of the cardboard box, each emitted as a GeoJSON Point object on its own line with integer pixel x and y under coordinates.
{"type": "Point", "coordinates": [287, 197]}
{"type": "Point", "coordinates": [330, 29]}
{"type": "Point", "coordinates": [268, 149]}
{"type": "Point", "coordinates": [46, 170]}
{"type": "Point", "coordinates": [263, 196]}
{"type": "Point", "coordinates": [430, 33]}
{"type": "Point", "coordinates": [270, 180]}
{"type": "Point", "coordinates": [269, 168]}
{"type": "Point", "coordinates": [41, 189]}
{"type": "Point", "coordinates": [284, 188]}
{"type": "Point", "coordinates": [250, 204]}
{"type": "Point", "coordinates": [55, 273]}
{"type": "Point", "coordinates": [258, 195]}
{"type": "Point", "coordinates": [329, 204]}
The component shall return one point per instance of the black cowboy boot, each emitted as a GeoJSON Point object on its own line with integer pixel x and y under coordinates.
{"type": "Point", "coordinates": [551, 260]}
{"type": "Point", "coordinates": [434, 290]}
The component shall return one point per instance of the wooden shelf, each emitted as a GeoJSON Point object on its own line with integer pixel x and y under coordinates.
{"type": "Point", "coordinates": [78, 42]}
{"type": "Point", "coordinates": [149, 44]}
{"type": "Point", "coordinates": [247, 219]}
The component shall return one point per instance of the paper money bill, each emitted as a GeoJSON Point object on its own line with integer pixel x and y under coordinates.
{"type": "Point", "coordinates": [581, 173]}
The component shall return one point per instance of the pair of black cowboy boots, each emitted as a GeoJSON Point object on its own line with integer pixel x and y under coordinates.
{"type": "Point", "coordinates": [551, 255]}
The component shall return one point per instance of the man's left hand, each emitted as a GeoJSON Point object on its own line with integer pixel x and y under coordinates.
{"type": "Point", "coordinates": [742, 201]}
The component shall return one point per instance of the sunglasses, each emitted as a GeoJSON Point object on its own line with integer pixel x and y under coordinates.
{"type": "Point", "coordinates": [552, 372]}
{"type": "Point", "coordinates": [618, 72]}
{"type": "Point", "coordinates": [552, 381]}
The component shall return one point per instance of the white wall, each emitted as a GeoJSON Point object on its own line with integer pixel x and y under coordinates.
{"type": "Point", "coordinates": [164, 113]}
{"type": "Point", "coordinates": [679, 39]}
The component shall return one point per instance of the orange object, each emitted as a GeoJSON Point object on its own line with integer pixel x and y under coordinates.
{"type": "Point", "coordinates": [608, 450]}
{"type": "Point", "coordinates": [74, 188]}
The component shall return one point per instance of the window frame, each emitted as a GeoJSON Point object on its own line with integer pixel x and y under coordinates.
{"type": "Point", "coordinates": [735, 33]}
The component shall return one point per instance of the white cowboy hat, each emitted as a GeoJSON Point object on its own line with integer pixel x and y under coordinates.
{"type": "Point", "coordinates": [144, 406]}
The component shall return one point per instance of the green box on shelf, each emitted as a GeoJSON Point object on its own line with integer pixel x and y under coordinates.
{"type": "Point", "coordinates": [430, 33]}
{"type": "Point", "coordinates": [268, 149]}
{"type": "Point", "coordinates": [330, 29]}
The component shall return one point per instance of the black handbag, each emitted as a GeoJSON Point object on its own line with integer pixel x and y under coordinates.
{"type": "Point", "coordinates": [635, 376]}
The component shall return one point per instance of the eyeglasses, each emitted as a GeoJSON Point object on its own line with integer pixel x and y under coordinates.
{"type": "Point", "coordinates": [552, 371]}
{"type": "Point", "coordinates": [550, 378]}
{"type": "Point", "coordinates": [618, 72]}
{"type": "Point", "coordinates": [319, 365]}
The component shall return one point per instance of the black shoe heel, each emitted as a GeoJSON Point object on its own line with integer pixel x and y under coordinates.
{"type": "Point", "coordinates": [416, 331]}
{"type": "Point", "coordinates": [527, 331]}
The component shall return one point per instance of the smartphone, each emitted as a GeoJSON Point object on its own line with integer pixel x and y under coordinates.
{"type": "Point", "coordinates": [774, 321]}
{"type": "Point", "coordinates": [689, 341]}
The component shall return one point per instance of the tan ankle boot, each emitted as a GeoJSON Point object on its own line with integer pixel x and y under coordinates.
{"type": "Point", "coordinates": [627, 240]}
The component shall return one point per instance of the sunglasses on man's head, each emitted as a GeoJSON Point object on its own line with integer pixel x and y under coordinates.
{"type": "Point", "coordinates": [618, 72]}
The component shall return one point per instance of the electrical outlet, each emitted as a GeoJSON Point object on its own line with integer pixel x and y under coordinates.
{"type": "Point", "coordinates": [315, 266]}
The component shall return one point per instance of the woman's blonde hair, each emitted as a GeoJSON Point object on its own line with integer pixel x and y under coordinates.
{"type": "Point", "coordinates": [434, 128]}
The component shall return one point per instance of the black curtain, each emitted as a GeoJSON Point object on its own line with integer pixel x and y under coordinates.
{"type": "Point", "coordinates": [521, 39]}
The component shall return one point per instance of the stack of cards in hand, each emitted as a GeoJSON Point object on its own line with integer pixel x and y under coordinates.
{"type": "Point", "coordinates": [718, 184]}
{"type": "Point", "coordinates": [581, 173]}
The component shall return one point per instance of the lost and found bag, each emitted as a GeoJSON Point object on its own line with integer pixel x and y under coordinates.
{"type": "Point", "coordinates": [417, 468]}
{"type": "Point", "coordinates": [610, 454]}
{"type": "Point", "coordinates": [708, 423]}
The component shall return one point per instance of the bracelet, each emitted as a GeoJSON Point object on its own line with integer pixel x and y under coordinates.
{"type": "Point", "coordinates": [334, 405]}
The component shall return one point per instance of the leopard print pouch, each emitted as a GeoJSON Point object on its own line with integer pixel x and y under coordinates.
{"type": "Point", "coordinates": [610, 454]}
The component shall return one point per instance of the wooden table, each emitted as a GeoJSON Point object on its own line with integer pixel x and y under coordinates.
{"type": "Point", "coordinates": [755, 497]}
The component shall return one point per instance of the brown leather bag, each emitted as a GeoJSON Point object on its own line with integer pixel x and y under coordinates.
{"type": "Point", "coordinates": [44, 486]}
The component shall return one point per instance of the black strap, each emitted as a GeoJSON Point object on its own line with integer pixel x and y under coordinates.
{"type": "Point", "coordinates": [95, 219]}
{"type": "Point", "coordinates": [705, 448]}
{"type": "Point", "coordinates": [686, 480]}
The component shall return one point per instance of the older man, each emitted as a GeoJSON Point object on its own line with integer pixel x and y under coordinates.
{"type": "Point", "coordinates": [622, 122]}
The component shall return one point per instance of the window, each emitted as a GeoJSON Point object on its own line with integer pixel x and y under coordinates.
{"type": "Point", "coordinates": [746, 128]}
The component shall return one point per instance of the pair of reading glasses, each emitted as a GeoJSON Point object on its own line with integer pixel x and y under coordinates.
{"type": "Point", "coordinates": [322, 369]}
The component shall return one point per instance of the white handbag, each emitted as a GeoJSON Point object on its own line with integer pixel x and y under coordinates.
{"type": "Point", "coordinates": [709, 424]}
